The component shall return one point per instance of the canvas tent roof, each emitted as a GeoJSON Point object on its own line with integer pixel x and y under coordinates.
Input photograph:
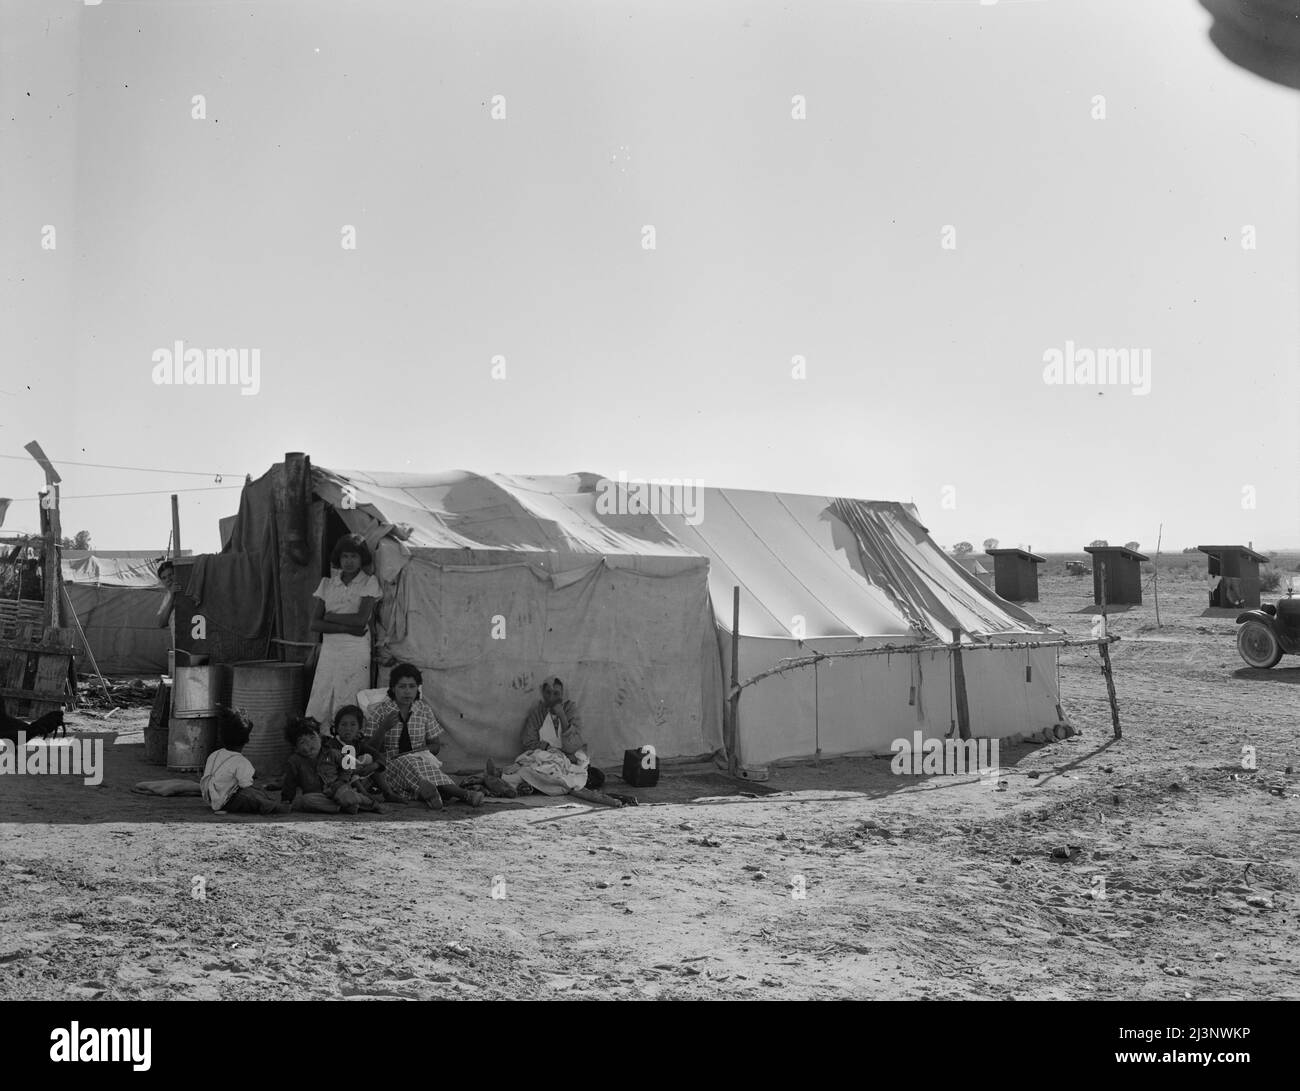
{"type": "Point", "coordinates": [846, 568]}
{"type": "Point", "coordinates": [460, 510]}
{"type": "Point", "coordinates": [94, 569]}
{"type": "Point", "coordinates": [976, 569]}
{"type": "Point", "coordinates": [786, 550]}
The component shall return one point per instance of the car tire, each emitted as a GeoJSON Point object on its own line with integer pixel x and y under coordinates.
{"type": "Point", "coordinates": [1258, 645]}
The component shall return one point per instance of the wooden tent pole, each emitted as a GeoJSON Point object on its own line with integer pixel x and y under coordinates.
{"type": "Point", "coordinates": [733, 721]}
{"type": "Point", "coordinates": [176, 526]}
{"type": "Point", "coordinates": [72, 611]}
{"type": "Point", "coordinates": [52, 528]}
{"type": "Point", "coordinates": [959, 685]}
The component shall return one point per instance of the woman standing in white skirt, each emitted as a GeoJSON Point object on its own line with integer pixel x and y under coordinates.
{"type": "Point", "coordinates": [345, 604]}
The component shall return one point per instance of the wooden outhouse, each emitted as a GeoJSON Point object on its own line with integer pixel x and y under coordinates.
{"type": "Point", "coordinates": [1234, 575]}
{"type": "Point", "coordinates": [1015, 574]}
{"type": "Point", "coordinates": [1121, 569]}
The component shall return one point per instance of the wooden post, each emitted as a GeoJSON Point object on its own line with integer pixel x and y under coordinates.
{"type": "Point", "coordinates": [297, 477]}
{"type": "Point", "coordinates": [176, 526]}
{"type": "Point", "coordinates": [52, 576]}
{"type": "Point", "coordinates": [277, 621]}
{"type": "Point", "coordinates": [1103, 646]}
{"type": "Point", "coordinates": [733, 720]}
{"type": "Point", "coordinates": [959, 685]}
{"type": "Point", "coordinates": [817, 715]}
{"type": "Point", "coordinates": [1155, 579]}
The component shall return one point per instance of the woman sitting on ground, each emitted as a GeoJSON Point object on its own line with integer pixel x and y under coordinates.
{"type": "Point", "coordinates": [405, 729]}
{"type": "Point", "coordinates": [554, 759]}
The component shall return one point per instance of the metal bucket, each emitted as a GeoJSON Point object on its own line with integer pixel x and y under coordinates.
{"type": "Point", "coordinates": [269, 693]}
{"type": "Point", "coordinates": [197, 691]}
{"type": "Point", "coordinates": [190, 740]}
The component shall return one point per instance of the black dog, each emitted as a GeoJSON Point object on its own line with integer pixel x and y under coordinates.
{"type": "Point", "coordinates": [49, 724]}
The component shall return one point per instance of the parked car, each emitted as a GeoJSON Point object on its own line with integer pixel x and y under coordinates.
{"type": "Point", "coordinates": [1267, 634]}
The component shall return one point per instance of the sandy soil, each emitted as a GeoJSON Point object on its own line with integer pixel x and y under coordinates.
{"type": "Point", "coordinates": [915, 886]}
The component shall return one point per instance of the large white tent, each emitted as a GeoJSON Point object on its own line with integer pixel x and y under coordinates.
{"type": "Point", "coordinates": [492, 582]}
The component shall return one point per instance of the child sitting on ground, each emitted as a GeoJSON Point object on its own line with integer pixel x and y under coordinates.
{"type": "Point", "coordinates": [348, 762]}
{"type": "Point", "coordinates": [303, 786]}
{"type": "Point", "coordinates": [227, 782]}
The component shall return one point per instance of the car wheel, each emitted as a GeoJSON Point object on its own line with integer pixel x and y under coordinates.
{"type": "Point", "coordinates": [1257, 644]}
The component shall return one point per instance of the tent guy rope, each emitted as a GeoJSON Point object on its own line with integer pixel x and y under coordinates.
{"type": "Point", "coordinates": [914, 649]}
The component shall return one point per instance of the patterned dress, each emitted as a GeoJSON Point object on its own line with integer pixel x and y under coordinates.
{"type": "Point", "coordinates": [404, 771]}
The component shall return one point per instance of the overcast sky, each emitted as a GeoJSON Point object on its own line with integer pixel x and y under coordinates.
{"type": "Point", "coordinates": [953, 207]}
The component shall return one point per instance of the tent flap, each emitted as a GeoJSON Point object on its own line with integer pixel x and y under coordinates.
{"type": "Point", "coordinates": [627, 647]}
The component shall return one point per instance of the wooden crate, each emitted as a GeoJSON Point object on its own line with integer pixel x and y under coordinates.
{"type": "Point", "coordinates": [17, 619]}
{"type": "Point", "coordinates": [35, 676]}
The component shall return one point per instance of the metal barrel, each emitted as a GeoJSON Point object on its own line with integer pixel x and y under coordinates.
{"type": "Point", "coordinates": [197, 691]}
{"type": "Point", "coordinates": [269, 693]}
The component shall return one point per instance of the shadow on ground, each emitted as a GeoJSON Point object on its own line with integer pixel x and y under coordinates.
{"type": "Point", "coordinates": [68, 800]}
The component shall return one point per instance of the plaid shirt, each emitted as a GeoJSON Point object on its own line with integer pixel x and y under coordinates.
{"type": "Point", "coordinates": [423, 726]}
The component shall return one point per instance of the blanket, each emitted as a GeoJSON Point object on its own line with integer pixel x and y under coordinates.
{"type": "Point", "coordinates": [548, 771]}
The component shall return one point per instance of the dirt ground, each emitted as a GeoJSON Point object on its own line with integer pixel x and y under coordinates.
{"type": "Point", "coordinates": [1183, 885]}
